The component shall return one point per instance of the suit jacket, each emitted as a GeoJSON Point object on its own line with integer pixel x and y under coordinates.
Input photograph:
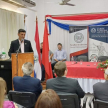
{"type": "Point", "coordinates": [27, 84]}
{"type": "Point", "coordinates": [15, 45]}
{"type": "Point", "coordinates": [101, 91]}
{"type": "Point", "coordinates": [65, 85]}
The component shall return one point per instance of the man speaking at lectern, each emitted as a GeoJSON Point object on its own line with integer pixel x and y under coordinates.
{"type": "Point", "coordinates": [20, 45]}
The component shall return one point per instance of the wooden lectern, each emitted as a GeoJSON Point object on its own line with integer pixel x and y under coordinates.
{"type": "Point", "coordinates": [19, 60]}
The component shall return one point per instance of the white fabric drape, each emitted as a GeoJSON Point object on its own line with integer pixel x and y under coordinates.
{"type": "Point", "coordinates": [87, 84]}
{"type": "Point", "coordinates": [10, 22]}
{"type": "Point", "coordinates": [59, 35]}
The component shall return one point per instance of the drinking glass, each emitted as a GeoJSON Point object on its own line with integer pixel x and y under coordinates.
{"type": "Point", "coordinates": [81, 61]}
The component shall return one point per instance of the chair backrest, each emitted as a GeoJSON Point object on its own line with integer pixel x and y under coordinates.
{"type": "Point", "coordinates": [82, 57]}
{"type": "Point", "coordinates": [69, 100]}
{"type": "Point", "coordinates": [26, 99]}
{"type": "Point", "coordinates": [100, 104]}
{"type": "Point", "coordinates": [103, 58]}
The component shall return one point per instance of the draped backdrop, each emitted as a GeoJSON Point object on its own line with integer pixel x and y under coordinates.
{"type": "Point", "coordinates": [59, 27]}
{"type": "Point", "coordinates": [10, 22]}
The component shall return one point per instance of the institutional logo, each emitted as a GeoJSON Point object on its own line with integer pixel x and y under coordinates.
{"type": "Point", "coordinates": [78, 37]}
{"type": "Point", "coordinates": [94, 58]}
{"type": "Point", "coordinates": [93, 30]}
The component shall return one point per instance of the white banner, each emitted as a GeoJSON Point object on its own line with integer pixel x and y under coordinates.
{"type": "Point", "coordinates": [98, 42]}
{"type": "Point", "coordinates": [78, 40]}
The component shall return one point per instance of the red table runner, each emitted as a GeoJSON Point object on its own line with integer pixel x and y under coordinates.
{"type": "Point", "coordinates": [84, 70]}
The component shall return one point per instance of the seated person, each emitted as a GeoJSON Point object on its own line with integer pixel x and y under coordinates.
{"type": "Point", "coordinates": [101, 89]}
{"type": "Point", "coordinates": [61, 84]}
{"type": "Point", "coordinates": [60, 54]}
{"type": "Point", "coordinates": [27, 83]}
{"type": "Point", "coordinates": [5, 104]}
{"type": "Point", "coordinates": [48, 99]}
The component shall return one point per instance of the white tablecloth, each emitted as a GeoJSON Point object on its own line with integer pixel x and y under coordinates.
{"type": "Point", "coordinates": [87, 84]}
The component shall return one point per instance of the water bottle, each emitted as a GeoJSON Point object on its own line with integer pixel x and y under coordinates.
{"type": "Point", "coordinates": [95, 61]}
{"type": "Point", "coordinates": [72, 59]}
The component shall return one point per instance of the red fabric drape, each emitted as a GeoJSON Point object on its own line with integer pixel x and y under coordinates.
{"type": "Point", "coordinates": [45, 54]}
{"type": "Point", "coordinates": [80, 17]}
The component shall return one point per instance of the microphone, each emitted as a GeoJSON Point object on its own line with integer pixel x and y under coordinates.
{"type": "Point", "coordinates": [22, 40]}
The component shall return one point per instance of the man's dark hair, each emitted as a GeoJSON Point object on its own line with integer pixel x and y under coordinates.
{"type": "Point", "coordinates": [41, 42]}
{"type": "Point", "coordinates": [59, 44]}
{"type": "Point", "coordinates": [21, 30]}
{"type": "Point", "coordinates": [60, 68]}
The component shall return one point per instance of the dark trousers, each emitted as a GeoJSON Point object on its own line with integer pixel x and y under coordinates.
{"type": "Point", "coordinates": [43, 72]}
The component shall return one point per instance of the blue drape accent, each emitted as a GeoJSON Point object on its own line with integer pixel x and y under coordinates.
{"type": "Point", "coordinates": [66, 26]}
{"type": "Point", "coordinates": [101, 23]}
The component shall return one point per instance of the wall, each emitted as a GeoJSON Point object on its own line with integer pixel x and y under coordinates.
{"type": "Point", "coordinates": [52, 7]}
{"type": "Point", "coordinates": [30, 19]}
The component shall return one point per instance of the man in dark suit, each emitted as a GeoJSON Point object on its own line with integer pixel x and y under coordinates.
{"type": "Point", "coordinates": [27, 83]}
{"type": "Point", "coordinates": [25, 45]}
{"type": "Point", "coordinates": [61, 84]}
{"type": "Point", "coordinates": [101, 89]}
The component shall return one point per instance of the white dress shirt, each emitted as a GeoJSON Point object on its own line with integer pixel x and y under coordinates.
{"type": "Point", "coordinates": [22, 46]}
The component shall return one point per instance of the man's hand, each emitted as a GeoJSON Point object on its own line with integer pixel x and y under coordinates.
{"type": "Point", "coordinates": [56, 60]}
{"type": "Point", "coordinates": [63, 60]}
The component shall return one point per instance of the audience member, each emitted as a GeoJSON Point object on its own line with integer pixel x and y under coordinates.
{"type": "Point", "coordinates": [101, 89]}
{"type": "Point", "coordinates": [48, 99]}
{"type": "Point", "coordinates": [61, 84]}
{"type": "Point", "coordinates": [27, 83]}
{"type": "Point", "coordinates": [60, 54]}
{"type": "Point", "coordinates": [3, 88]}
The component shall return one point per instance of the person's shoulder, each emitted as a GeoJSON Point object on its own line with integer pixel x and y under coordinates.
{"type": "Point", "coordinates": [70, 79]}
{"type": "Point", "coordinates": [97, 84]}
{"type": "Point", "coordinates": [56, 50]}
{"type": "Point", "coordinates": [14, 41]}
{"type": "Point", "coordinates": [16, 78]}
{"type": "Point", "coordinates": [63, 50]}
{"type": "Point", "coordinates": [50, 51]}
{"type": "Point", "coordinates": [35, 80]}
{"type": "Point", "coordinates": [27, 41]}
{"type": "Point", "coordinates": [51, 80]}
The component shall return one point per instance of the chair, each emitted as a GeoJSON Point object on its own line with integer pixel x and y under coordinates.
{"type": "Point", "coordinates": [98, 103]}
{"type": "Point", "coordinates": [103, 58]}
{"type": "Point", "coordinates": [71, 101]}
{"type": "Point", "coordinates": [26, 99]}
{"type": "Point", "coordinates": [82, 57]}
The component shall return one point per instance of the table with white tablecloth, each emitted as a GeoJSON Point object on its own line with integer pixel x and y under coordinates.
{"type": "Point", "coordinates": [86, 73]}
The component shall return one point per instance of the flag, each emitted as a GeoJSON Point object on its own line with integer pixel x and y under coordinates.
{"type": "Point", "coordinates": [45, 54]}
{"type": "Point", "coordinates": [37, 64]}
